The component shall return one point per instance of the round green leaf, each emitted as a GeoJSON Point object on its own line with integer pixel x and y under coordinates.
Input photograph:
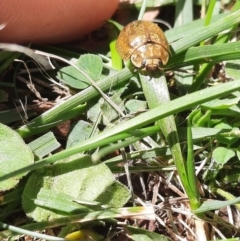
{"type": "Point", "coordinates": [135, 106]}
{"type": "Point", "coordinates": [14, 154]}
{"type": "Point", "coordinates": [222, 155]}
{"type": "Point", "coordinates": [92, 64]}
{"type": "Point", "coordinates": [72, 77]}
{"type": "Point", "coordinates": [228, 140]}
{"type": "Point", "coordinates": [80, 132]}
{"type": "Point", "coordinates": [75, 176]}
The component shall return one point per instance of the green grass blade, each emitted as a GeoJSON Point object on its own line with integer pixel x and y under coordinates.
{"type": "Point", "coordinates": [208, 32]}
{"type": "Point", "coordinates": [172, 107]}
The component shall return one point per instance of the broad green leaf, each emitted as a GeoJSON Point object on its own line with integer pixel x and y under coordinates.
{"type": "Point", "coordinates": [138, 234]}
{"type": "Point", "coordinates": [91, 64]}
{"type": "Point", "coordinates": [81, 131]}
{"type": "Point", "coordinates": [135, 106]}
{"type": "Point", "coordinates": [198, 132]}
{"type": "Point", "coordinates": [59, 202]}
{"type": "Point", "coordinates": [108, 113]}
{"type": "Point", "coordinates": [226, 139]}
{"type": "Point", "coordinates": [222, 155]}
{"type": "Point", "coordinates": [77, 177]}
{"type": "Point", "coordinates": [73, 77]}
{"type": "Point", "coordinates": [14, 154]}
{"type": "Point", "coordinates": [94, 111]}
{"type": "Point", "coordinates": [104, 110]}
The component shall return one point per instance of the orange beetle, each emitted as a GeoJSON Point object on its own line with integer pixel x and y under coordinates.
{"type": "Point", "coordinates": [145, 43]}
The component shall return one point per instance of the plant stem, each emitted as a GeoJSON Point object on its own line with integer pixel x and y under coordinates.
{"type": "Point", "coordinates": [156, 93]}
